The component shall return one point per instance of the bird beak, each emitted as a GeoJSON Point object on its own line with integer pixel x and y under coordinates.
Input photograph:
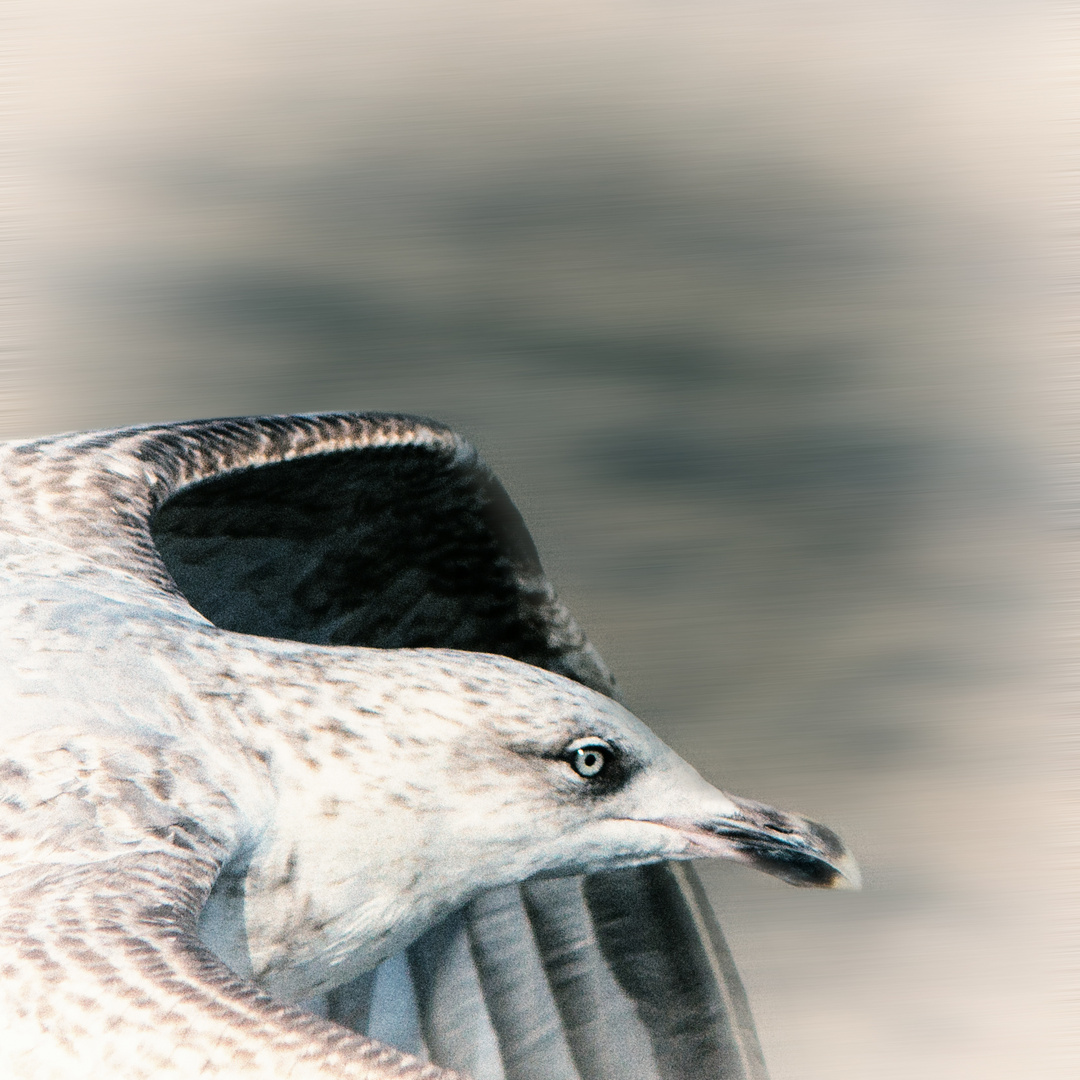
{"type": "Point", "coordinates": [787, 846]}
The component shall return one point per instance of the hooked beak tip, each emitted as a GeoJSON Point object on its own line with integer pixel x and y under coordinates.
{"type": "Point", "coordinates": [787, 846]}
{"type": "Point", "coordinates": [848, 875]}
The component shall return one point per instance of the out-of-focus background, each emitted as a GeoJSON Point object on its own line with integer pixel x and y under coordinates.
{"type": "Point", "coordinates": [739, 300]}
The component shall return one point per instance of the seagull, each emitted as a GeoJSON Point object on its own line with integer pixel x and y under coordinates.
{"type": "Point", "coordinates": [289, 701]}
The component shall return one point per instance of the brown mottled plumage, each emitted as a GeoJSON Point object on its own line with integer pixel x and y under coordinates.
{"type": "Point", "coordinates": [285, 696]}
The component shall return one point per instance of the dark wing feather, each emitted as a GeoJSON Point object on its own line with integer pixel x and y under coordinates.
{"type": "Point", "coordinates": [454, 1016]}
{"type": "Point", "coordinates": [658, 934]}
{"type": "Point", "coordinates": [606, 1035]}
{"type": "Point", "coordinates": [394, 547]}
{"type": "Point", "coordinates": [620, 976]}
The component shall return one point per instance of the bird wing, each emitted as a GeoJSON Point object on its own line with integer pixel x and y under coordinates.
{"type": "Point", "coordinates": [390, 532]}
{"type": "Point", "coordinates": [107, 944]}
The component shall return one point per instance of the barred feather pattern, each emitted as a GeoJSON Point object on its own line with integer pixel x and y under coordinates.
{"type": "Point", "coordinates": [85, 950]}
{"type": "Point", "coordinates": [95, 494]}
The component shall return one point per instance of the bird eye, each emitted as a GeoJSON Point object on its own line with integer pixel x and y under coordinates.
{"type": "Point", "coordinates": [589, 757]}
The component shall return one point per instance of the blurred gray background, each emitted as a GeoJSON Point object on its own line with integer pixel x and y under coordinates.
{"type": "Point", "coordinates": [738, 299]}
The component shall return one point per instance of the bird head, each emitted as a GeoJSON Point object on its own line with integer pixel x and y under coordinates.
{"type": "Point", "coordinates": [474, 772]}
{"type": "Point", "coordinates": [546, 776]}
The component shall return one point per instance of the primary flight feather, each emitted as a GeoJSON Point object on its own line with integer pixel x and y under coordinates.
{"type": "Point", "coordinates": [282, 697]}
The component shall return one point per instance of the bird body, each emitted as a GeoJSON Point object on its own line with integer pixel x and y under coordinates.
{"type": "Point", "coordinates": [216, 803]}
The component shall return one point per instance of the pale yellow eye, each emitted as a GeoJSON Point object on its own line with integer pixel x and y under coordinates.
{"type": "Point", "coordinates": [589, 759]}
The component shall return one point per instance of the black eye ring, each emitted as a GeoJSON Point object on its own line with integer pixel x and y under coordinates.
{"type": "Point", "coordinates": [590, 758]}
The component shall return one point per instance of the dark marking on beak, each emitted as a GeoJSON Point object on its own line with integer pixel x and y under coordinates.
{"type": "Point", "coordinates": [788, 846]}
{"type": "Point", "coordinates": [794, 867]}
